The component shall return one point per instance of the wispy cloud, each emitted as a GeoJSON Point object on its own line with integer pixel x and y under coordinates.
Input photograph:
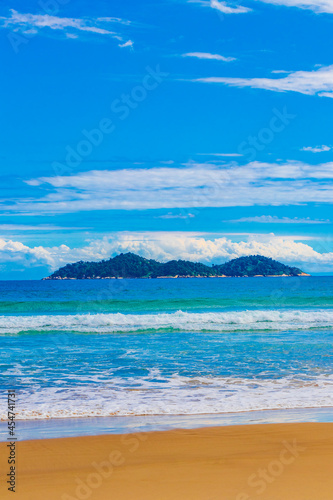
{"type": "Point", "coordinates": [317, 82]}
{"type": "Point", "coordinates": [269, 219]}
{"type": "Point", "coordinates": [129, 43]}
{"type": "Point", "coordinates": [317, 149]}
{"type": "Point", "coordinates": [192, 185]}
{"type": "Point", "coordinates": [170, 215]}
{"type": "Point", "coordinates": [31, 24]}
{"type": "Point", "coordinates": [318, 6]}
{"type": "Point", "coordinates": [223, 7]}
{"type": "Point", "coordinates": [207, 55]}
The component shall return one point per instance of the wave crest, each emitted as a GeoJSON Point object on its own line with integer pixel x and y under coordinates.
{"type": "Point", "coordinates": [180, 321]}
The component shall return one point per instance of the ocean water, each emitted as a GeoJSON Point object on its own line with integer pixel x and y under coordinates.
{"type": "Point", "coordinates": [166, 347]}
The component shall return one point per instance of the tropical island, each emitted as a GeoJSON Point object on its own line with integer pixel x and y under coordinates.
{"type": "Point", "coordinates": [130, 265]}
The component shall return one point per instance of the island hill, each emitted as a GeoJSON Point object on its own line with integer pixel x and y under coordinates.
{"type": "Point", "coordinates": [129, 265]}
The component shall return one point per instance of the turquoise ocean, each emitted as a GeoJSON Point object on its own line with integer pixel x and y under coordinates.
{"type": "Point", "coordinates": [166, 346]}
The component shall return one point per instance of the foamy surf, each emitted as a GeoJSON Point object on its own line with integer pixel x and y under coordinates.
{"type": "Point", "coordinates": [180, 321]}
{"type": "Point", "coordinates": [174, 396]}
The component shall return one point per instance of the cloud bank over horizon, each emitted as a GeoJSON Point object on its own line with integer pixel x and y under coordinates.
{"type": "Point", "coordinates": [168, 246]}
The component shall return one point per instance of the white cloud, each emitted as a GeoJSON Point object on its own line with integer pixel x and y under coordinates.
{"type": "Point", "coordinates": [196, 185]}
{"type": "Point", "coordinates": [227, 8]}
{"type": "Point", "coordinates": [206, 55]}
{"type": "Point", "coordinates": [317, 82]}
{"type": "Point", "coordinates": [326, 94]}
{"type": "Point", "coordinates": [129, 43]}
{"type": "Point", "coordinates": [317, 149]}
{"type": "Point", "coordinates": [15, 251]}
{"type": "Point", "coordinates": [223, 7]}
{"type": "Point", "coordinates": [165, 246]}
{"type": "Point", "coordinates": [33, 23]}
{"type": "Point", "coordinates": [170, 215]}
{"type": "Point", "coordinates": [269, 219]}
{"type": "Point", "coordinates": [53, 257]}
{"type": "Point", "coordinates": [318, 6]}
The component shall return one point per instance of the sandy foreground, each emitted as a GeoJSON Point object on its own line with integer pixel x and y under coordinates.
{"type": "Point", "coordinates": [267, 462]}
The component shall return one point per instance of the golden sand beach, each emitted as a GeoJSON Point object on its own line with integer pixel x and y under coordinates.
{"type": "Point", "coordinates": [267, 462]}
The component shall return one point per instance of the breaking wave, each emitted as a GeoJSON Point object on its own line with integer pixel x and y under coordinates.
{"type": "Point", "coordinates": [179, 321]}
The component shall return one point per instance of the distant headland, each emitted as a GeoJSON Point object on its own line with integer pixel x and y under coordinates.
{"type": "Point", "coordinates": [130, 265]}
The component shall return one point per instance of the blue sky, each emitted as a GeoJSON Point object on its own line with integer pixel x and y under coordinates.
{"type": "Point", "coordinates": [174, 129]}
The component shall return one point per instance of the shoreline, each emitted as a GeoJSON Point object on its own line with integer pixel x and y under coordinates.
{"type": "Point", "coordinates": [65, 427]}
{"type": "Point", "coordinates": [289, 461]}
{"type": "Point", "coordinates": [178, 277]}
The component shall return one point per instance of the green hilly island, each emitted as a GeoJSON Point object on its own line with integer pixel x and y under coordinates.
{"type": "Point", "coordinates": [130, 265]}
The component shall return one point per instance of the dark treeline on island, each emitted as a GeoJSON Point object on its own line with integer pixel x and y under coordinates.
{"type": "Point", "coordinates": [130, 265]}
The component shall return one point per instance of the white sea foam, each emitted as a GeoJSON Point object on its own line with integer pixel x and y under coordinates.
{"type": "Point", "coordinates": [172, 396]}
{"type": "Point", "coordinates": [182, 321]}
